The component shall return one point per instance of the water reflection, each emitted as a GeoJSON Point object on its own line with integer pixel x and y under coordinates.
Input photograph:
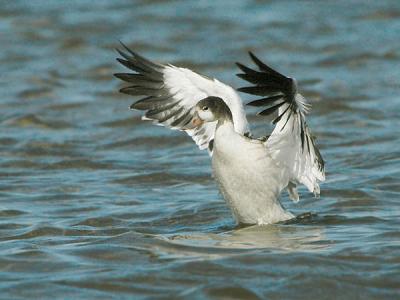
{"type": "Point", "coordinates": [266, 237]}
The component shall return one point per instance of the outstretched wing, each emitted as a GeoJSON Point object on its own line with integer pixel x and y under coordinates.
{"type": "Point", "coordinates": [171, 94]}
{"type": "Point", "coordinates": [291, 143]}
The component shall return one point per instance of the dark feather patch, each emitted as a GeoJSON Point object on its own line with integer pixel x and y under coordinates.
{"type": "Point", "coordinates": [247, 70]}
{"type": "Point", "coordinates": [272, 84]}
{"type": "Point", "coordinates": [287, 119]}
{"type": "Point", "coordinates": [170, 115]}
{"type": "Point", "coordinates": [140, 63]}
{"type": "Point", "coordinates": [142, 59]}
{"type": "Point", "coordinates": [265, 101]}
{"type": "Point", "coordinates": [130, 65]}
{"type": "Point", "coordinates": [302, 133]}
{"type": "Point", "coordinates": [183, 120]}
{"type": "Point", "coordinates": [142, 103]}
{"type": "Point", "coordinates": [211, 145]}
{"type": "Point", "coordinates": [271, 109]}
{"type": "Point", "coordinates": [161, 109]}
{"type": "Point", "coordinates": [268, 82]}
{"type": "Point", "coordinates": [276, 120]}
{"type": "Point", "coordinates": [321, 162]}
{"type": "Point", "coordinates": [308, 144]}
{"type": "Point", "coordinates": [139, 79]}
{"type": "Point", "coordinates": [151, 102]}
{"type": "Point", "coordinates": [200, 132]}
{"type": "Point", "coordinates": [259, 90]}
{"type": "Point", "coordinates": [253, 78]}
{"type": "Point", "coordinates": [140, 91]}
{"type": "Point", "coordinates": [266, 68]}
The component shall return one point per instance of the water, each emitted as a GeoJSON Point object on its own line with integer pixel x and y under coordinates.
{"type": "Point", "coordinates": [96, 204]}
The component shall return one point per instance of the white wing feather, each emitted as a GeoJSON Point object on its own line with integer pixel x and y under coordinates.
{"type": "Point", "coordinates": [301, 157]}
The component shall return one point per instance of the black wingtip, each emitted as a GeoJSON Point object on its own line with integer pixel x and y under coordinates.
{"type": "Point", "coordinates": [123, 76]}
{"type": "Point", "coordinates": [264, 67]}
{"type": "Point", "coordinates": [257, 61]}
{"type": "Point", "coordinates": [121, 61]}
{"type": "Point", "coordinates": [265, 101]}
{"type": "Point", "coordinates": [270, 110]}
{"type": "Point", "coordinates": [135, 106]}
{"type": "Point", "coordinates": [125, 63]}
{"type": "Point", "coordinates": [123, 90]}
{"type": "Point", "coordinates": [254, 57]}
{"type": "Point", "coordinates": [128, 49]}
{"type": "Point", "coordinates": [240, 66]}
{"type": "Point", "coordinates": [123, 54]}
{"type": "Point", "coordinates": [251, 54]}
{"type": "Point", "coordinates": [123, 45]}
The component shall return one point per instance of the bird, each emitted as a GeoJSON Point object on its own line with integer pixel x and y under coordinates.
{"type": "Point", "coordinates": [250, 172]}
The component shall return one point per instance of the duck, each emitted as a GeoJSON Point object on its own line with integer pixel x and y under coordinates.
{"type": "Point", "coordinates": [251, 173]}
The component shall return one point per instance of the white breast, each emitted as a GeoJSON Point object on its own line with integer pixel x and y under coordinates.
{"type": "Point", "coordinates": [248, 178]}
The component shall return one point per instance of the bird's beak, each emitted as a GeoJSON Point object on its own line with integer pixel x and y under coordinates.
{"type": "Point", "coordinates": [196, 121]}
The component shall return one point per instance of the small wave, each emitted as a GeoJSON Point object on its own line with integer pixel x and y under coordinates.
{"type": "Point", "coordinates": [32, 120]}
{"type": "Point", "coordinates": [11, 213]}
{"type": "Point", "coordinates": [79, 164]}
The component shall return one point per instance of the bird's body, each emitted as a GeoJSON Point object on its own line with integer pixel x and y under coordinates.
{"type": "Point", "coordinates": [250, 173]}
{"type": "Point", "coordinates": [248, 177]}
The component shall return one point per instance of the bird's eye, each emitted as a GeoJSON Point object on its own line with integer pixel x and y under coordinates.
{"type": "Point", "coordinates": [205, 108]}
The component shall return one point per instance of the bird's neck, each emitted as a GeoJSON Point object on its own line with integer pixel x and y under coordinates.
{"type": "Point", "coordinates": [223, 114]}
{"type": "Point", "coordinates": [226, 141]}
{"type": "Point", "coordinates": [225, 124]}
{"type": "Point", "coordinates": [225, 128]}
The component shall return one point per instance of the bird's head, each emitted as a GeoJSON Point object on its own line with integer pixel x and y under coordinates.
{"type": "Point", "coordinates": [211, 109]}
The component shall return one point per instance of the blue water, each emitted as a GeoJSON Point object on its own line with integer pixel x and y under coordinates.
{"type": "Point", "coordinates": [97, 204]}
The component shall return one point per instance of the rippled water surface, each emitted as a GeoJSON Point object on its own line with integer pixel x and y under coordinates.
{"type": "Point", "coordinates": [96, 204]}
